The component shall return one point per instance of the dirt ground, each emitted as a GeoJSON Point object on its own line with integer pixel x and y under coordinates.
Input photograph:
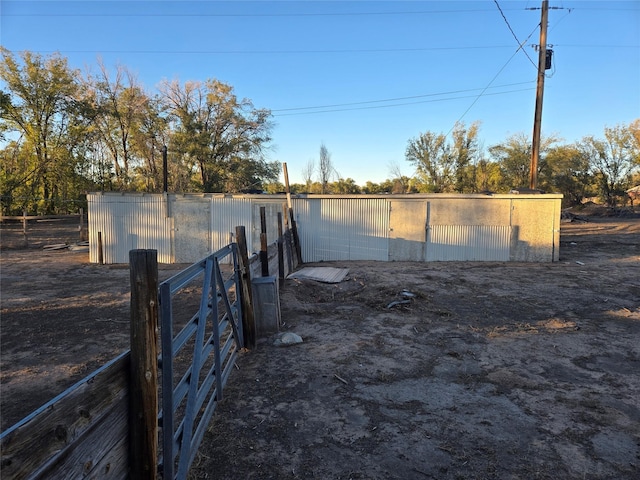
{"type": "Point", "coordinates": [492, 370]}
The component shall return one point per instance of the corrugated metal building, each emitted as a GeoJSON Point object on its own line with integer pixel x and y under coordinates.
{"type": "Point", "coordinates": [431, 227]}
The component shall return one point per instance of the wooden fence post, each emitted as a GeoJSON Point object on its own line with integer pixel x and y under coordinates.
{"type": "Point", "coordinates": [296, 239]}
{"type": "Point", "coordinates": [264, 255]}
{"type": "Point", "coordinates": [24, 228]}
{"type": "Point", "coordinates": [280, 250]}
{"type": "Point", "coordinates": [143, 391]}
{"type": "Point", "coordinates": [248, 320]}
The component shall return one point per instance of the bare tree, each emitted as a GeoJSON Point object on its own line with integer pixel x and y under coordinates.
{"type": "Point", "coordinates": [325, 168]}
{"type": "Point", "coordinates": [307, 173]}
{"type": "Point", "coordinates": [400, 181]}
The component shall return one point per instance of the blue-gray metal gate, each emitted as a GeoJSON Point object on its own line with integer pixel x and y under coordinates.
{"type": "Point", "coordinates": [196, 362]}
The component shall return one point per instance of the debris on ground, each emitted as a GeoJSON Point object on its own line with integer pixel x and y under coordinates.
{"type": "Point", "coordinates": [321, 274]}
{"type": "Point", "coordinates": [287, 338]}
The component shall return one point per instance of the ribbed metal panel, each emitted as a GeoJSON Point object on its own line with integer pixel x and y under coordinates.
{"type": "Point", "coordinates": [226, 214]}
{"type": "Point", "coordinates": [468, 242]}
{"type": "Point", "coordinates": [128, 222]}
{"type": "Point", "coordinates": [343, 228]}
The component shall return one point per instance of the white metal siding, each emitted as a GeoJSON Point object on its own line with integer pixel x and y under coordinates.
{"type": "Point", "coordinates": [226, 214]}
{"type": "Point", "coordinates": [343, 229]}
{"type": "Point", "coordinates": [128, 222]}
{"type": "Point", "coordinates": [468, 242]}
{"type": "Point", "coordinates": [354, 227]}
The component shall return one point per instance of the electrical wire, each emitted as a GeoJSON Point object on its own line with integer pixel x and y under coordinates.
{"type": "Point", "coordinates": [393, 99]}
{"type": "Point", "coordinates": [269, 52]}
{"type": "Point", "coordinates": [396, 104]}
{"type": "Point", "coordinates": [258, 15]}
{"type": "Point", "coordinates": [514, 34]}
{"type": "Point", "coordinates": [492, 80]}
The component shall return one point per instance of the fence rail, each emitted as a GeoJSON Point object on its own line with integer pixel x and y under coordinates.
{"type": "Point", "coordinates": [81, 433]}
{"type": "Point", "coordinates": [94, 429]}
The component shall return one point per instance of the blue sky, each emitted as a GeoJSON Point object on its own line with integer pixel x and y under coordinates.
{"type": "Point", "coordinates": [379, 73]}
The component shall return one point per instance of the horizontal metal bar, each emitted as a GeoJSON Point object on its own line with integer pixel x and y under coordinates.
{"type": "Point", "coordinates": [179, 280]}
{"type": "Point", "coordinates": [185, 334]}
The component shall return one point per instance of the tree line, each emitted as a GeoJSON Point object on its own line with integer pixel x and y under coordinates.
{"type": "Point", "coordinates": [592, 167]}
{"type": "Point", "coordinates": [64, 133]}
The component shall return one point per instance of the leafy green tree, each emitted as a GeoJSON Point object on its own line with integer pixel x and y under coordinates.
{"type": "Point", "coordinates": [120, 112]}
{"type": "Point", "coordinates": [149, 137]}
{"type": "Point", "coordinates": [465, 150]}
{"type": "Point", "coordinates": [345, 186]}
{"type": "Point", "coordinates": [514, 157]}
{"type": "Point", "coordinates": [614, 160]}
{"type": "Point", "coordinates": [371, 188]}
{"type": "Point", "coordinates": [218, 135]}
{"type": "Point", "coordinates": [446, 166]}
{"type": "Point", "coordinates": [569, 173]}
{"type": "Point", "coordinates": [45, 109]}
{"type": "Point", "coordinates": [430, 154]}
{"type": "Point", "coordinates": [488, 176]}
{"type": "Point", "coordinates": [275, 187]}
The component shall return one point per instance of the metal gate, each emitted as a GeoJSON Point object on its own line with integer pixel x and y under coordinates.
{"type": "Point", "coordinates": [196, 362]}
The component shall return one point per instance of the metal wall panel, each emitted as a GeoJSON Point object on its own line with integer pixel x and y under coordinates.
{"type": "Point", "coordinates": [128, 222]}
{"type": "Point", "coordinates": [354, 227]}
{"type": "Point", "coordinates": [226, 214]}
{"type": "Point", "coordinates": [343, 228]}
{"type": "Point", "coordinates": [191, 227]}
{"type": "Point", "coordinates": [468, 243]}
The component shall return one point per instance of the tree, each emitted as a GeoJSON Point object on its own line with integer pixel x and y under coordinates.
{"type": "Point", "coordinates": [121, 109]}
{"type": "Point", "coordinates": [465, 150]}
{"type": "Point", "coordinates": [430, 155]}
{"type": "Point", "coordinates": [307, 174]}
{"type": "Point", "coordinates": [488, 176]}
{"type": "Point", "coordinates": [401, 183]}
{"type": "Point", "coordinates": [372, 188]}
{"type": "Point", "coordinates": [569, 169]}
{"type": "Point", "coordinates": [614, 160]}
{"type": "Point", "coordinates": [150, 136]}
{"type": "Point", "coordinates": [345, 186]}
{"type": "Point", "coordinates": [325, 168]}
{"type": "Point", "coordinates": [45, 108]}
{"type": "Point", "coordinates": [221, 137]}
{"type": "Point", "coordinates": [514, 158]}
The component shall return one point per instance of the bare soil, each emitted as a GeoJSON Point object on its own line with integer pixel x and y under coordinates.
{"type": "Point", "coordinates": [492, 370]}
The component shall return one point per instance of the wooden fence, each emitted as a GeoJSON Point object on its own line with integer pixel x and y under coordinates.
{"type": "Point", "coordinates": [105, 426]}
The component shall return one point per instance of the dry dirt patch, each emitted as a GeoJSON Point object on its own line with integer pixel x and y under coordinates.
{"type": "Point", "coordinates": [493, 370]}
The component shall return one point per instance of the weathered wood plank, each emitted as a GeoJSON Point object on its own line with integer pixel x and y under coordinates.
{"type": "Point", "coordinates": [102, 451]}
{"type": "Point", "coordinates": [58, 424]}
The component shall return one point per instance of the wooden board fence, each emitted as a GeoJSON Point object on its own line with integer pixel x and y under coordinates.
{"type": "Point", "coordinates": [81, 433]}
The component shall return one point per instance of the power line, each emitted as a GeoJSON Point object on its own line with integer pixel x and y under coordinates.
{"type": "Point", "coordinates": [293, 52]}
{"type": "Point", "coordinates": [258, 15]}
{"type": "Point", "coordinates": [492, 80]}
{"type": "Point", "coordinates": [397, 104]}
{"type": "Point", "coordinates": [514, 34]}
{"type": "Point", "coordinates": [393, 99]}
{"type": "Point", "coordinates": [268, 52]}
{"type": "Point", "coordinates": [318, 14]}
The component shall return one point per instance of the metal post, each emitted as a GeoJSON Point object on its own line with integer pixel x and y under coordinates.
{"type": "Point", "coordinates": [165, 173]}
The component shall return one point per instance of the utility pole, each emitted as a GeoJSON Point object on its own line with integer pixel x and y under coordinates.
{"type": "Point", "coordinates": [537, 121]}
